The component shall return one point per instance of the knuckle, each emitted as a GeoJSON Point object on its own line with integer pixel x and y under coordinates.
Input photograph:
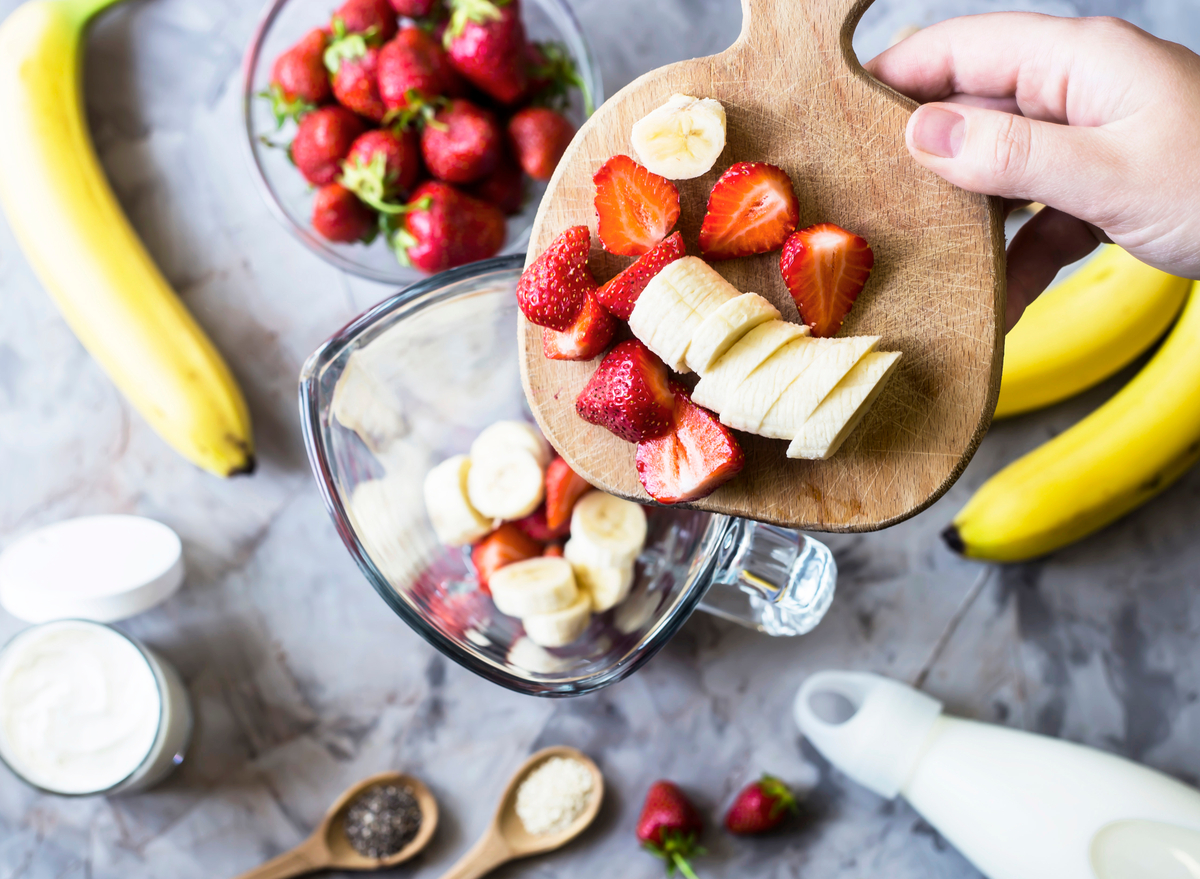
{"type": "Point", "coordinates": [1010, 158]}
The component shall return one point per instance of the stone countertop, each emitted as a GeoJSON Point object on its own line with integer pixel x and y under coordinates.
{"type": "Point", "coordinates": [304, 682]}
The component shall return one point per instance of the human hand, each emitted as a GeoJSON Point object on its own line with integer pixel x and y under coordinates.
{"type": "Point", "coordinates": [1093, 117]}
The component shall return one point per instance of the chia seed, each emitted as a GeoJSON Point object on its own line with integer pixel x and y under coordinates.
{"type": "Point", "coordinates": [382, 820]}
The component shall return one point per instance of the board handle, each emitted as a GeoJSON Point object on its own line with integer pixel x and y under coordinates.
{"type": "Point", "coordinates": [786, 27]}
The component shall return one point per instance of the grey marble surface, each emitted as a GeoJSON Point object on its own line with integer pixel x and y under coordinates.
{"type": "Point", "coordinates": [304, 681]}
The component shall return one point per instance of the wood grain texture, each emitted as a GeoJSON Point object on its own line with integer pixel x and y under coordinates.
{"type": "Point", "coordinates": [796, 96]}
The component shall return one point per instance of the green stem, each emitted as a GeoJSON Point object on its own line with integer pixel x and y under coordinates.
{"type": "Point", "coordinates": [684, 867]}
{"type": "Point", "coordinates": [83, 11]}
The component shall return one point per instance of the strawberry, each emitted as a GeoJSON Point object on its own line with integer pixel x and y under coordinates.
{"type": "Point", "coordinates": [669, 826]}
{"type": "Point", "coordinates": [462, 143]}
{"type": "Point", "coordinates": [536, 526]}
{"type": "Point", "coordinates": [413, 67]}
{"type": "Point", "coordinates": [539, 136]}
{"type": "Point", "coordinates": [299, 81]}
{"type": "Point", "coordinates": [585, 339]}
{"type": "Point", "coordinates": [381, 164]}
{"type": "Point", "coordinates": [338, 215]}
{"type": "Point", "coordinates": [504, 187]}
{"type": "Point", "coordinates": [628, 394]}
{"type": "Point", "coordinates": [695, 457]}
{"type": "Point", "coordinates": [414, 8]}
{"type": "Point", "coordinates": [563, 488]}
{"type": "Point", "coordinates": [486, 42]}
{"type": "Point", "coordinates": [355, 83]}
{"type": "Point", "coordinates": [636, 208]}
{"type": "Point", "coordinates": [443, 227]}
{"type": "Point", "coordinates": [374, 19]}
{"type": "Point", "coordinates": [761, 806]}
{"type": "Point", "coordinates": [621, 293]}
{"type": "Point", "coordinates": [554, 289]}
{"type": "Point", "coordinates": [555, 550]}
{"type": "Point", "coordinates": [323, 138]}
{"type": "Point", "coordinates": [443, 591]}
{"type": "Point", "coordinates": [505, 545]}
{"type": "Point", "coordinates": [752, 209]}
{"type": "Point", "coordinates": [825, 268]}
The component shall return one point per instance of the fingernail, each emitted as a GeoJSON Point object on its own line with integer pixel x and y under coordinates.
{"type": "Point", "coordinates": [938, 131]}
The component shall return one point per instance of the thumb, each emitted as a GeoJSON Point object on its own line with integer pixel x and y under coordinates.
{"type": "Point", "coordinates": [997, 153]}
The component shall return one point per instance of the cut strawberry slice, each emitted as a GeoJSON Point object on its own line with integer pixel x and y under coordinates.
{"type": "Point", "coordinates": [825, 268]}
{"type": "Point", "coordinates": [563, 488]}
{"type": "Point", "coordinates": [636, 209]}
{"type": "Point", "coordinates": [628, 394]}
{"type": "Point", "coordinates": [553, 290]}
{"type": "Point", "coordinates": [696, 457]}
{"type": "Point", "coordinates": [507, 544]}
{"type": "Point", "coordinates": [538, 527]}
{"type": "Point", "coordinates": [752, 209]}
{"type": "Point", "coordinates": [621, 293]}
{"type": "Point", "coordinates": [586, 338]}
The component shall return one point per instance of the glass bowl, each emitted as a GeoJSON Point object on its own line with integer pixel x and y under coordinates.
{"type": "Point", "coordinates": [413, 381]}
{"type": "Point", "coordinates": [289, 195]}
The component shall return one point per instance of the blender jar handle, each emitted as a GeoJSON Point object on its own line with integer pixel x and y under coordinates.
{"type": "Point", "coordinates": [771, 579]}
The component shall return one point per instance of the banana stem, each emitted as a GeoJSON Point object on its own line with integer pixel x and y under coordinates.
{"type": "Point", "coordinates": [83, 11]}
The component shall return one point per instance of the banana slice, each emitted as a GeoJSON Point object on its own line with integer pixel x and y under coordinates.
{"type": "Point", "coordinates": [363, 403]}
{"type": "Point", "coordinates": [506, 483]}
{"type": "Point", "coordinates": [721, 384]}
{"type": "Point", "coordinates": [454, 518]}
{"type": "Point", "coordinates": [608, 586]}
{"type": "Point", "coordinates": [681, 139]}
{"type": "Point", "coordinates": [839, 413]}
{"type": "Point", "coordinates": [721, 330]}
{"type": "Point", "coordinates": [541, 585]}
{"type": "Point", "coordinates": [561, 627]}
{"type": "Point", "coordinates": [793, 408]}
{"type": "Point", "coordinates": [606, 531]}
{"type": "Point", "coordinates": [512, 434]}
{"type": "Point", "coordinates": [674, 305]}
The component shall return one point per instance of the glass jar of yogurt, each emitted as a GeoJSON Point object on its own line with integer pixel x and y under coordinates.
{"type": "Point", "coordinates": [86, 710]}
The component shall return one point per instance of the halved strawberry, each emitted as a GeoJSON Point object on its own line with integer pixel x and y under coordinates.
{"type": "Point", "coordinates": [636, 208]}
{"type": "Point", "coordinates": [825, 268]}
{"type": "Point", "coordinates": [507, 544]}
{"type": "Point", "coordinates": [628, 394]}
{"type": "Point", "coordinates": [693, 459]}
{"type": "Point", "coordinates": [586, 338]}
{"type": "Point", "coordinates": [621, 293]}
{"type": "Point", "coordinates": [563, 488]}
{"type": "Point", "coordinates": [537, 526]}
{"type": "Point", "coordinates": [752, 209]}
{"type": "Point", "coordinates": [553, 290]}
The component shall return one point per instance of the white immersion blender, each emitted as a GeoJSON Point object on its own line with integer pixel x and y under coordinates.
{"type": "Point", "coordinates": [1016, 804]}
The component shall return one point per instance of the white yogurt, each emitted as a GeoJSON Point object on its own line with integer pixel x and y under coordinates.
{"type": "Point", "coordinates": [84, 710]}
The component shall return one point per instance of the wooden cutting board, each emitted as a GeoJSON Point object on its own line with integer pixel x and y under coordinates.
{"type": "Point", "coordinates": [796, 96]}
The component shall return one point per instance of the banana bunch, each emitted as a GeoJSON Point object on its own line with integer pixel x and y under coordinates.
{"type": "Point", "coordinates": [87, 256]}
{"type": "Point", "coordinates": [1120, 456]}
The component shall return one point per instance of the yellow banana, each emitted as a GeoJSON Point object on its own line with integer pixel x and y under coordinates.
{"type": "Point", "coordinates": [89, 258]}
{"type": "Point", "coordinates": [1120, 456]}
{"type": "Point", "coordinates": [1084, 329]}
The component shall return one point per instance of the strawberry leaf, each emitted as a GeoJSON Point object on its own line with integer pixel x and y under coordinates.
{"type": "Point", "coordinates": [559, 69]}
{"type": "Point", "coordinates": [348, 47]}
{"type": "Point", "coordinates": [284, 108]}
{"type": "Point", "coordinates": [783, 800]}
{"type": "Point", "coordinates": [370, 181]}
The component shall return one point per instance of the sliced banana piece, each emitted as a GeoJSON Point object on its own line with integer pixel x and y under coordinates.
{"type": "Point", "coordinates": [512, 434]}
{"type": "Point", "coordinates": [608, 586]}
{"type": "Point", "coordinates": [721, 330]}
{"type": "Point", "coordinates": [840, 412]}
{"type": "Point", "coordinates": [681, 139]}
{"type": "Point", "coordinates": [365, 404]}
{"type": "Point", "coordinates": [506, 483]}
{"type": "Point", "coordinates": [606, 531]}
{"type": "Point", "coordinates": [793, 408]}
{"type": "Point", "coordinates": [541, 585]}
{"type": "Point", "coordinates": [455, 519]}
{"type": "Point", "coordinates": [561, 627]}
{"type": "Point", "coordinates": [674, 305]}
{"type": "Point", "coordinates": [760, 389]}
{"type": "Point", "coordinates": [723, 380]}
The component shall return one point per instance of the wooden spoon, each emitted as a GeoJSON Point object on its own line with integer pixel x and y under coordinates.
{"type": "Point", "coordinates": [796, 96]}
{"type": "Point", "coordinates": [329, 848]}
{"type": "Point", "coordinates": [506, 838]}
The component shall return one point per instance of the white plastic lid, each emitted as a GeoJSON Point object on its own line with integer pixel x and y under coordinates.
{"type": "Point", "coordinates": [868, 726]}
{"type": "Point", "coordinates": [101, 568]}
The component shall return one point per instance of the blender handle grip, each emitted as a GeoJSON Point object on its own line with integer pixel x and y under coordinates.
{"type": "Point", "coordinates": [772, 579]}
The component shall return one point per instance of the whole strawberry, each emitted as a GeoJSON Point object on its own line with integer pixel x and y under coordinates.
{"type": "Point", "coordinates": [373, 18]}
{"type": "Point", "coordinates": [669, 827]}
{"type": "Point", "coordinates": [355, 67]}
{"type": "Point", "coordinates": [629, 394]}
{"type": "Point", "coordinates": [323, 138]}
{"type": "Point", "coordinates": [504, 187]}
{"type": "Point", "coordinates": [381, 164]}
{"type": "Point", "coordinates": [761, 806]}
{"type": "Point", "coordinates": [552, 291]}
{"type": "Point", "coordinates": [486, 42]}
{"type": "Point", "coordinates": [413, 65]}
{"type": "Point", "coordinates": [444, 227]}
{"type": "Point", "coordinates": [338, 215]}
{"type": "Point", "coordinates": [299, 80]}
{"type": "Point", "coordinates": [461, 143]}
{"type": "Point", "coordinates": [539, 136]}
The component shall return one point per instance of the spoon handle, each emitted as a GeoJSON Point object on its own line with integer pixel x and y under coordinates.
{"type": "Point", "coordinates": [486, 855]}
{"type": "Point", "coordinates": [304, 858]}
